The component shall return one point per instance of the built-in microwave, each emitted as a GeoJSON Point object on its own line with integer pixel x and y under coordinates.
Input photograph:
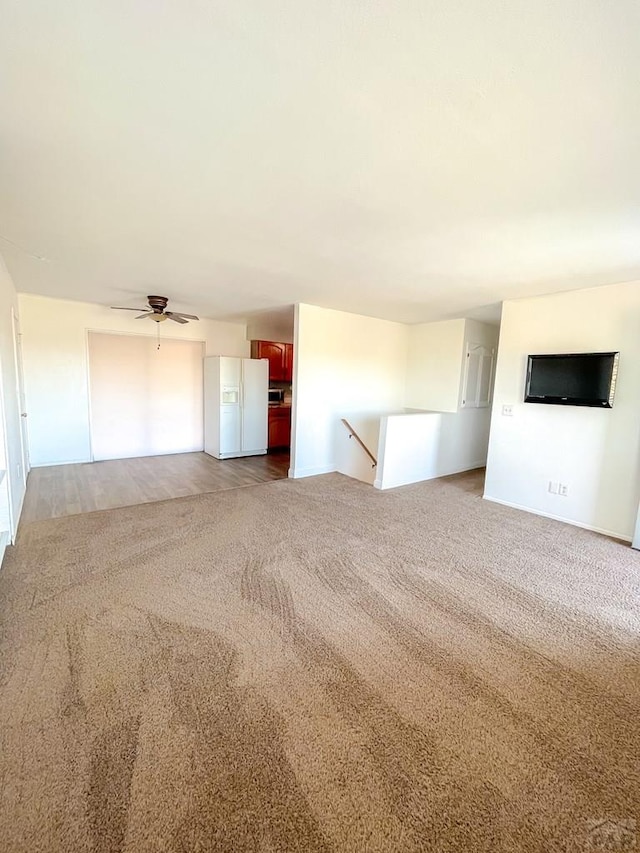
{"type": "Point", "coordinates": [276, 395]}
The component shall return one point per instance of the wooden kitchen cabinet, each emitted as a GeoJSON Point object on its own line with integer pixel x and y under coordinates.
{"type": "Point", "coordinates": [288, 362]}
{"type": "Point", "coordinates": [279, 426]}
{"type": "Point", "coordinates": [280, 357]}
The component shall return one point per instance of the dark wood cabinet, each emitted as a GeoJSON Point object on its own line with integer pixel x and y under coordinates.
{"type": "Point", "coordinates": [280, 356]}
{"type": "Point", "coordinates": [288, 362]}
{"type": "Point", "coordinates": [279, 426]}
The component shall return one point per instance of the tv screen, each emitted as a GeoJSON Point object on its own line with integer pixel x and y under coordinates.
{"type": "Point", "coordinates": [572, 379]}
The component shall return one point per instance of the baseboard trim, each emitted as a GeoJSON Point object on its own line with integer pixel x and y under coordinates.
{"type": "Point", "coordinates": [5, 539]}
{"type": "Point", "coordinates": [298, 473]}
{"type": "Point", "coordinates": [88, 459]}
{"type": "Point", "coordinates": [377, 484]}
{"type": "Point", "coordinates": [612, 533]}
{"type": "Point", "coordinates": [50, 464]}
{"type": "Point", "coordinates": [230, 455]}
{"type": "Point", "coordinates": [14, 533]}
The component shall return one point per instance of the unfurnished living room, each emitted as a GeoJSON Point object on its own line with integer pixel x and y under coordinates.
{"type": "Point", "coordinates": [319, 427]}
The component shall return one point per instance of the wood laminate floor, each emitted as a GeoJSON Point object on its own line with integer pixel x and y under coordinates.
{"type": "Point", "coordinates": [61, 490]}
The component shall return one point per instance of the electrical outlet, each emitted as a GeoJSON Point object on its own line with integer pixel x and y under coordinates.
{"type": "Point", "coordinates": [563, 489]}
{"type": "Point", "coordinates": [553, 488]}
{"type": "Point", "coordinates": [507, 411]}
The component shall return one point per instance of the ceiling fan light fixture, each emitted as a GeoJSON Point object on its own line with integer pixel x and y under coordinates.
{"type": "Point", "coordinates": [157, 312]}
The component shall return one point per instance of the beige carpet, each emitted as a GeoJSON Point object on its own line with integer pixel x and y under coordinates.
{"type": "Point", "coordinates": [317, 666]}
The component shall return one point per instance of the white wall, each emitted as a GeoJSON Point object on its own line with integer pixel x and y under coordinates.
{"type": "Point", "coordinates": [55, 366]}
{"type": "Point", "coordinates": [12, 482]}
{"type": "Point", "coordinates": [436, 361]}
{"type": "Point", "coordinates": [362, 369]}
{"type": "Point", "coordinates": [434, 365]}
{"type": "Point", "coordinates": [421, 446]}
{"type": "Point", "coordinates": [345, 365]}
{"type": "Point", "coordinates": [595, 452]}
{"type": "Point", "coordinates": [481, 333]}
{"type": "Point", "coordinates": [274, 325]}
{"type": "Point", "coordinates": [350, 458]}
{"type": "Point", "coordinates": [145, 401]}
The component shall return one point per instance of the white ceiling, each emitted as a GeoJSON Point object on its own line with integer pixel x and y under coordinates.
{"type": "Point", "coordinates": [408, 159]}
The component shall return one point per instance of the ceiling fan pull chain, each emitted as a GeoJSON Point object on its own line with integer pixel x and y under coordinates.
{"type": "Point", "coordinates": [158, 334]}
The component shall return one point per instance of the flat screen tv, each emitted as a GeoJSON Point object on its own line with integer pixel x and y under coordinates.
{"type": "Point", "coordinates": [572, 379]}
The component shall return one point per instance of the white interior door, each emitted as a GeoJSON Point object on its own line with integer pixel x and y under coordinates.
{"type": "Point", "coordinates": [255, 404]}
{"type": "Point", "coordinates": [145, 401]}
{"type": "Point", "coordinates": [24, 435]}
{"type": "Point", "coordinates": [478, 377]}
{"type": "Point", "coordinates": [7, 524]}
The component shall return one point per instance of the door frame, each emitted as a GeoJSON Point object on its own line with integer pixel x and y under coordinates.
{"type": "Point", "coordinates": [21, 395]}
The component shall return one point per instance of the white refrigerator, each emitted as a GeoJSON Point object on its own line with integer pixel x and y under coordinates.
{"type": "Point", "coordinates": [236, 403]}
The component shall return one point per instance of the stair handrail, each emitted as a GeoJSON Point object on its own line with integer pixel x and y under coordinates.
{"type": "Point", "coordinates": [354, 434]}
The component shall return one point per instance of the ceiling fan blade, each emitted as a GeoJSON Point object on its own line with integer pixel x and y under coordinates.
{"type": "Point", "coordinates": [119, 308]}
{"type": "Point", "coordinates": [175, 317]}
{"type": "Point", "coordinates": [180, 314]}
{"type": "Point", "coordinates": [146, 314]}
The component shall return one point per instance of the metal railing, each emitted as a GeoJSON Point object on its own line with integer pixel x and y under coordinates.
{"type": "Point", "coordinates": [354, 434]}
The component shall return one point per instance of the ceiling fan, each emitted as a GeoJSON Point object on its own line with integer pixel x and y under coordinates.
{"type": "Point", "coordinates": [157, 313]}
